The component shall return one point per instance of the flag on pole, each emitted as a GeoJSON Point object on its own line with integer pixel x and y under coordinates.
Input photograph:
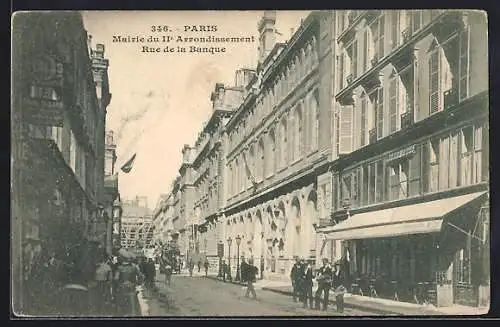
{"type": "Point", "coordinates": [127, 167]}
{"type": "Point", "coordinates": [247, 169]}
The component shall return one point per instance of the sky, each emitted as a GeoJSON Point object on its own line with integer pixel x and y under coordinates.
{"type": "Point", "coordinates": [161, 100]}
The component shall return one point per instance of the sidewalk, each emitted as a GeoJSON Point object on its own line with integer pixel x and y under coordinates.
{"type": "Point", "coordinates": [376, 305]}
{"type": "Point", "coordinates": [389, 307]}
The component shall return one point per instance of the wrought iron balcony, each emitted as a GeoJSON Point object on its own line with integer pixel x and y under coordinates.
{"type": "Point", "coordinates": [450, 98]}
{"type": "Point", "coordinates": [406, 119]}
{"type": "Point", "coordinates": [372, 135]}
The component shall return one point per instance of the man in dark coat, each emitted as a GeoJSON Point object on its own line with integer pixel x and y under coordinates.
{"type": "Point", "coordinates": [250, 274]}
{"type": "Point", "coordinates": [307, 283]}
{"type": "Point", "coordinates": [243, 270]}
{"type": "Point", "coordinates": [295, 275]}
{"type": "Point", "coordinates": [324, 278]}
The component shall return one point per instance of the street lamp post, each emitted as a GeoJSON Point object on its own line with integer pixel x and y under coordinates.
{"type": "Point", "coordinates": [229, 241]}
{"type": "Point", "coordinates": [220, 254]}
{"type": "Point", "coordinates": [238, 242]}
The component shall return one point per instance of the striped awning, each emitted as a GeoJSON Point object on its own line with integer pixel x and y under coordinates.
{"type": "Point", "coordinates": [418, 218]}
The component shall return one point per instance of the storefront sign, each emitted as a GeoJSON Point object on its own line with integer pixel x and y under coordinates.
{"type": "Point", "coordinates": [403, 153]}
{"type": "Point", "coordinates": [43, 101]}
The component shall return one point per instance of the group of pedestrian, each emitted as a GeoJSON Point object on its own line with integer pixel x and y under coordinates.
{"type": "Point", "coordinates": [327, 277]}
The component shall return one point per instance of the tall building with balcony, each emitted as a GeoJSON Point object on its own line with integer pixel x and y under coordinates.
{"type": "Point", "coordinates": [410, 183]}
{"type": "Point", "coordinates": [58, 115]}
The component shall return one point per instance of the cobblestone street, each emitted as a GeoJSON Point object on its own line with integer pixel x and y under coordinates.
{"type": "Point", "coordinates": [201, 296]}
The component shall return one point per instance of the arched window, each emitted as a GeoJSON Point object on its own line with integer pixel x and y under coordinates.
{"type": "Point", "coordinates": [272, 152]}
{"type": "Point", "coordinates": [283, 142]}
{"type": "Point", "coordinates": [314, 121]}
{"type": "Point", "coordinates": [262, 169]}
{"type": "Point", "coordinates": [298, 132]}
{"type": "Point", "coordinates": [230, 184]}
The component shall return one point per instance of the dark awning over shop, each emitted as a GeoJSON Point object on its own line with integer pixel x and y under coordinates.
{"type": "Point", "coordinates": [418, 218]}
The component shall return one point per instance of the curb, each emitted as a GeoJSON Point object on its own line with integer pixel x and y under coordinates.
{"type": "Point", "coordinates": [346, 305]}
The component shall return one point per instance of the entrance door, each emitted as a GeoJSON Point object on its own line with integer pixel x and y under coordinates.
{"type": "Point", "coordinates": [464, 292]}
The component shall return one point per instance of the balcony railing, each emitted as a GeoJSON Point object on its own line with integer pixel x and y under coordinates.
{"type": "Point", "coordinates": [406, 119]}
{"type": "Point", "coordinates": [372, 135]}
{"type": "Point", "coordinates": [450, 98]}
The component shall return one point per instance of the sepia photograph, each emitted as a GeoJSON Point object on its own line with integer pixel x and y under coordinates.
{"type": "Point", "coordinates": [272, 163]}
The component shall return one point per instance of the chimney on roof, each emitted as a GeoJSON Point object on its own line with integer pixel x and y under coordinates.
{"type": "Point", "coordinates": [267, 34]}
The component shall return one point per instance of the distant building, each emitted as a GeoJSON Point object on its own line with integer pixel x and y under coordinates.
{"type": "Point", "coordinates": [137, 228]}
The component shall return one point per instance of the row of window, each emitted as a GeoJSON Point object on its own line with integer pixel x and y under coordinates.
{"type": "Point", "coordinates": [286, 82]}
{"type": "Point", "coordinates": [383, 110]}
{"type": "Point", "coordinates": [375, 40]}
{"type": "Point", "coordinates": [292, 138]}
{"type": "Point", "coordinates": [455, 159]}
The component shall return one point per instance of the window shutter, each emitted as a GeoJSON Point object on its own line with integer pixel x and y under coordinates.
{"type": "Point", "coordinates": [393, 104]}
{"type": "Point", "coordinates": [434, 82]}
{"type": "Point", "coordinates": [341, 70]}
{"type": "Point", "coordinates": [379, 109]}
{"type": "Point", "coordinates": [454, 160]}
{"type": "Point", "coordinates": [363, 126]}
{"type": "Point", "coordinates": [444, 157]}
{"type": "Point", "coordinates": [478, 135]}
{"type": "Point", "coordinates": [381, 37]}
{"type": "Point", "coordinates": [415, 172]}
{"type": "Point", "coordinates": [355, 58]}
{"type": "Point", "coordinates": [346, 122]}
{"type": "Point", "coordinates": [365, 52]}
{"type": "Point", "coordinates": [464, 63]}
{"type": "Point", "coordinates": [395, 29]}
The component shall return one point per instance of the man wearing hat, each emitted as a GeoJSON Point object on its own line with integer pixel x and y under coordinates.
{"type": "Point", "coordinates": [324, 278]}
{"type": "Point", "coordinates": [307, 282]}
{"type": "Point", "coordinates": [295, 275]}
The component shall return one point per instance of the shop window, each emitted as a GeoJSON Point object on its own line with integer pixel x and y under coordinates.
{"type": "Point", "coordinates": [346, 190]}
{"type": "Point", "coordinates": [372, 173]}
{"type": "Point", "coordinates": [398, 180]}
{"type": "Point", "coordinates": [444, 162]}
{"type": "Point", "coordinates": [414, 173]}
{"type": "Point", "coordinates": [365, 189]}
{"type": "Point", "coordinates": [379, 189]}
{"type": "Point", "coordinates": [466, 155]}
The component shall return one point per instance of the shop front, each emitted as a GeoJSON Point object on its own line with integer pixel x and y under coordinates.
{"type": "Point", "coordinates": [432, 252]}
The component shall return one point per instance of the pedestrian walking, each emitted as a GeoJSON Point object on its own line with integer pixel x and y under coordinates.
{"type": "Point", "coordinates": [199, 265]}
{"type": "Point", "coordinates": [151, 273]}
{"type": "Point", "coordinates": [128, 276]}
{"type": "Point", "coordinates": [295, 277]}
{"type": "Point", "coordinates": [324, 278]}
{"type": "Point", "coordinates": [251, 275]}
{"type": "Point", "coordinates": [103, 279]}
{"type": "Point", "coordinates": [307, 284]}
{"type": "Point", "coordinates": [206, 264]}
{"type": "Point", "coordinates": [243, 270]}
{"type": "Point", "coordinates": [190, 267]}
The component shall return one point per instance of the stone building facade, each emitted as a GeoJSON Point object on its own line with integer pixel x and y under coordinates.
{"type": "Point", "coordinates": [410, 179]}
{"type": "Point", "coordinates": [58, 122]}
